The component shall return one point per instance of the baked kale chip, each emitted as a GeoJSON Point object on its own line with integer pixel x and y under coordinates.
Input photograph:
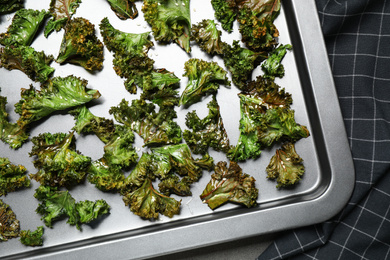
{"type": "Point", "coordinates": [9, 6]}
{"type": "Point", "coordinates": [12, 177]}
{"type": "Point", "coordinates": [286, 166]}
{"type": "Point", "coordinates": [124, 9]}
{"type": "Point", "coordinates": [61, 12]}
{"type": "Point", "coordinates": [32, 238]}
{"type": "Point", "coordinates": [9, 225]}
{"type": "Point", "coordinates": [230, 184]}
{"type": "Point", "coordinates": [208, 37]}
{"type": "Point", "coordinates": [57, 160]}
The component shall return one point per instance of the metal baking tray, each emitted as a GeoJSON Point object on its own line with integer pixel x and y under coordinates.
{"type": "Point", "coordinates": [323, 191]}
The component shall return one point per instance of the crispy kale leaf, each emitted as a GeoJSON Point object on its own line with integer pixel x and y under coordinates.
{"type": "Point", "coordinates": [105, 177]}
{"type": "Point", "coordinates": [56, 204]}
{"type": "Point", "coordinates": [208, 37]}
{"type": "Point", "coordinates": [57, 160]}
{"type": "Point", "coordinates": [130, 50]}
{"type": "Point", "coordinates": [230, 184]}
{"type": "Point", "coordinates": [256, 25]}
{"type": "Point", "coordinates": [155, 128]}
{"type": "Point", "coordinates": [286, 166]}
{"type": "Point", "coordinates": [32, 238]}
{"type": "Point", "coordinates": [206, 132]}
{"type": "Point", "coordinates": [119, 150]}
{"type": "Point", "coordinates": [10, 133]}
{"type": "Point", "coordinates": [273, 66]}
{"type": "Point", "coordinates": [170, 21]}
{"type": "Point", "coordinates": [24, 27]}
{"type": "Point", "coordinates": [88, 123]}
{"type": "Point", "coordinates": [203, 78]}
{"type": "Point", "coordinates": [9, 225]}
{"type": "Point", "coordinates": [225, 12]}
{"type": "Point", "coordinates": [61, 12]}
{"type": "Point", "coordinates": [148, 203]}
{"type": "Point", "coordinates": [56, 94]}
{"type": "Point", "coordinates": [8, 6]}
{"type": "Point", "coordinates": [124, 9]}
{"type": "Point", "coordinates": [241, 62]}
{"type": "Point", "coordinates": [266, 117]}
{"type": "Point", "coordinates": [36, 65]}
{"type": "Point", "coordinates": [12, 177]}
{"type": "Point", "coordinates": [81, 46]}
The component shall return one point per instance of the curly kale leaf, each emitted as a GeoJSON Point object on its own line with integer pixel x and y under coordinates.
{"type": "Point", "coordinates": [160, 88]}
{"type": "Point", "coordinates": [10, 133]}
{"type": "Point", "coordinates": [124, 9]}
{"type": "Point", "coordinates": [170, 21]}
{"type": "Point", "coordinates": [241, 62]}
{"type": "Point", "coordinates": [24, 27]}
{"type": "Point", "coordinates": [9, 6]}
{"type": "Point", "coordinates": [286, 166]}
{"type": "Point", "coordinates": [36, 65]}
{"type": "Point", "coordinates": [208, 37]}
{"type": "Point", "coordinates": [130, 50]}
{"type": "Point", "coordinates": [56, 94]}
{"type": "Point", "coordinates": [81, 46]}
{"type": "Point", "coordinates": [148, 203]}
{"type": "Point", "coordinates": [9, 225]}
{"type": "Point", "coordinates": [88, 123]}
{"type": "Point", "coordinates": [155, 128]}
{"type": "Point", "coordinates": [57, 204]}
{"type": "Point", "coordinates": [204, 78]}
{"type": "Point", "coordinates": [119, 149]}
{"type": "Point", "coordinates": [32, 238]}
{"type": "Point", "coordinates": [206, 132]}
{"type": "Point", "coordinates": [256, 25]}
{"type": "Point", "coordinates": [273, 66]}
{"type": "Point", "coordinates": [266, 118]}
{"type": "Point", "coordinates": [57, 160]}
{"type": "Point", "coordinates": [12, 177]}
{"type": "Point", "coordinates": [230, 185]}
{"type": "Point", "coordinates": [105, 177]}
{"type": "Point", "coordinates": [61, 12]}
{"type": "Point", "coordinates": [225, 12]}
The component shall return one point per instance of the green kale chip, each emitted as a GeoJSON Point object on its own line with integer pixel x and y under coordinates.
{"type": "Point", "coordinates": [156, 128]}
{"type": "Point", "coordinates": [10, 133]}
{"type": "Point", "coordinates": [130, 50]}
{"type": "Point", "coordinates": [230, 185]}
{"type": "Point", "coordinates": [36, 65]}
{"type": "Point", "coordinates": [241, 62]}
{"type": "Point", "coordinates": [256, 25]}
{"type": "Point", "coordinates": [81, 46]}
{"type": "Point", "coordinates": [32, 238]}
{"type": "Point", "coordinates": [12, 177]}
{"type": "Point", "coordinates": [208, 37]}
{"type": "Point", "coordinates": [57, 160]}
{"type": "Point", "coordinates": [57, 204]}
{"type": "Point", "coordinates": [225, 12]}
{"type": "Point", "coordinates": [106, 177]}
{"type": "Point", "coordinates": [57, 94]}
{"type": "Point", "coordinates": [9, 6]}
{"type": "Point", "coordinates": [148, 203]}
{"type": "Point", "coordinates": [266, 118]}
{"type": "Point", "coordinates": [24, 27]}
{"type": "Point", "coordinates": [204, 78]}
{"type": "Point", "coordinates": [206, 132]}
{"type": "Point", "coordinates": [9, 225]}
{"type": "Point", "coordinates": [286, 166]}
{"type": "Point", "coordinates": [124, 9]}
{"type": "Point", "coordinates": [61, 12]}
{"type": "Point", "coordinates": [170, 21]}
{"type": "Point", "coordinates": [273, 66]}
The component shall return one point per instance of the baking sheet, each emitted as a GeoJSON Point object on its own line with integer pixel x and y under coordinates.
{"type": "Point", "coordinates": [324, 189]}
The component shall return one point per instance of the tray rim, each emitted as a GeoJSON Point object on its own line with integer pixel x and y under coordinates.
{"type": "Point", "coordinates": [196, 234]}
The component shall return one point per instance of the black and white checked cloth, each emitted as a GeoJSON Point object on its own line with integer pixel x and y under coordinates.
{"type": "Point", "coordinates": [357, 36]}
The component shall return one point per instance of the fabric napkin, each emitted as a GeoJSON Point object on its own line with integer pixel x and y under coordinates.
{"type": "Point", "coordinates": [357, 37]}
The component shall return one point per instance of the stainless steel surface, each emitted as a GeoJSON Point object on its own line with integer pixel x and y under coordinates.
{"type": "Point", "coordinates": [323, 191]}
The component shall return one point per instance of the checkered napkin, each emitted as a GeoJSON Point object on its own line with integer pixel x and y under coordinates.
{"type": "Point", "coordinates": [357, 36]}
